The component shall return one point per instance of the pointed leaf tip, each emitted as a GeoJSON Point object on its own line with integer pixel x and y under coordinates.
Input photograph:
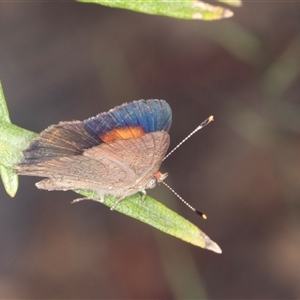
{"type": "Point", "coordinates": [10, 180]}
{"type": "Point", "coordinates": [209, 244]}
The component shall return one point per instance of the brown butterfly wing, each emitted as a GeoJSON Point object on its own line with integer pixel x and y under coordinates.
{"type": "Point", "coordinates": [143, 156]}
{"type": "Point", "coordinates": [63, 139]}
{"type": "Point", "coordinates": [120, 168]}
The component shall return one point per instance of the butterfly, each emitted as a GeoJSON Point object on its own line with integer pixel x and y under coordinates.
{"type": "Point", "coordinates": [115, 153]}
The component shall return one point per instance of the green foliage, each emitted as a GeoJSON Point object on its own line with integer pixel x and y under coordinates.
{"type": "Point", "coordinates": [187, 9]}
{"type": "Point", "coordinates": [13, 140]}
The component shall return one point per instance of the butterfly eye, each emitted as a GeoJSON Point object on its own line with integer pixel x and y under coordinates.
{"type": "Point", "coordinates": [151, 184]}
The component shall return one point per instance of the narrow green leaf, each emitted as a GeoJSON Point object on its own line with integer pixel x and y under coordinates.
{"type": "Point", "coordinates": [10, 180]}
{"type": "Point", "coordinates": [16, 136]}
{"type": "Point", "coordinates": [4, 115]}
{"type": "Point", "coordinates": [13, 140]}
{"type": "Point", "coordinates": [159, 216]}
{"type": "Point", "coordinates": [187, 9]}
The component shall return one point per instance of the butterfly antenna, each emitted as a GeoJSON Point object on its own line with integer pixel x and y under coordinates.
{"type": "Point", "coordinates": [203, 124]}
{"type": "Point", "coordinates": [204, 216]}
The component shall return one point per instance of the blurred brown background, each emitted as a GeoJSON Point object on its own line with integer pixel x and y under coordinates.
{"type": "Point", "coordinates": [65, 61]}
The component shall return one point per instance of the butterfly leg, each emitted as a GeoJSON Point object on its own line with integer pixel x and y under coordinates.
{"type": "Point", "coordinates": [99, 200]}
{"type": "Point", "coordinates": [86, 198]}
{"type": "Point", "coordinates": [80, 199]}
{"type": "Point", "coordinates": [116, 203]}
{"type": "Point", "coordinates": [144, 194]}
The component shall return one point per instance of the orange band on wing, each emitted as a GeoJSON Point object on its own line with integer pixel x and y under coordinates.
{"type": "Point", "coordinates": [122, 133]}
